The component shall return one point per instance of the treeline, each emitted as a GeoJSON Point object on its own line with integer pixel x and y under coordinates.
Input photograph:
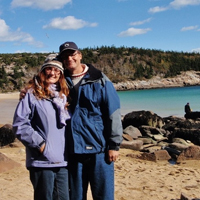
{"type": "Point", "coordinates": [15, 69]}
{"type": "Point", "coordinates": [119, 64]}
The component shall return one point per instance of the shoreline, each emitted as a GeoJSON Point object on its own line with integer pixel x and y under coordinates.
{"type": "Point", "coordinates": [9, 95]}
{"type": "Point", "coordinates": [9, 100]}
{"type": "Point", "coordinates": [157, 87]}
{"type": "Point", "coordinates": [8, 104]}
{"type": "Point", "coordinates": [185, 79]}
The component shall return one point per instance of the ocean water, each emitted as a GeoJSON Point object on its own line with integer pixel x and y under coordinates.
{"type": "Point", "coordinates": [164, 102]}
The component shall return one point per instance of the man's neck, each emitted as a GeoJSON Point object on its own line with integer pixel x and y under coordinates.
{"type": "Point", "coordinates": [78, 70]}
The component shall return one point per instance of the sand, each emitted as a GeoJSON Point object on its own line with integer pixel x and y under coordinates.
{"type": "Point", "coordinates": [8, 103]}
{"type": "Point", "coordinates": [135, 179]}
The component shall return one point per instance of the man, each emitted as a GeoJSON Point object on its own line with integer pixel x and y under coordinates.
{"type": "Point", "coordinates": [95, 128]}
{"type": "Point", "coordinates": [187, 108]}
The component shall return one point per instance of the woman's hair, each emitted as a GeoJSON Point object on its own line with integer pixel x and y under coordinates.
{"type": "Point", "coordinates": [40, 86]}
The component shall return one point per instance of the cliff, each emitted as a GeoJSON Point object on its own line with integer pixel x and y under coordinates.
{"type": "Point", "coordinates": [188, 78]}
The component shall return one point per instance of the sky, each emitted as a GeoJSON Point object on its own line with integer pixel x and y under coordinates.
{"type": "Point", "coordinates": [41, 26]}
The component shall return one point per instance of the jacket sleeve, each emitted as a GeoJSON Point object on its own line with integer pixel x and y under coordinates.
{"type": "Point", "coordinates": [112, 104]}
{"type": "Point", "coordinates": [22, 124]}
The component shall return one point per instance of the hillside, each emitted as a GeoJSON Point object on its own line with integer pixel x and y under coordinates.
{"type": "Point", "coordinates": [119, 64]}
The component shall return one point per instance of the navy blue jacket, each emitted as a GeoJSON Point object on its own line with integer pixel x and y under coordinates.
{"type": "Point", "coordinates": [96, 120]}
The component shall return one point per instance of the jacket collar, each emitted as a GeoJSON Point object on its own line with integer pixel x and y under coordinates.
{"type": "Point", "coordinates": [92, 74]}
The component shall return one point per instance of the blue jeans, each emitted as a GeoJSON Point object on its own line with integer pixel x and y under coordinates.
{"type": "Point", "coordinates": [93, 169]}
{"type": "Point", "coordinates": [50, 183]}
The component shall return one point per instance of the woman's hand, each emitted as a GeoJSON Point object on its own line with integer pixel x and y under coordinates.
{"type": "Point", "coordinates": [42, 148]}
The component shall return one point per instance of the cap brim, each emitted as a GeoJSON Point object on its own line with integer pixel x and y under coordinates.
{"type": "Point", "coordinates": [67, 49]}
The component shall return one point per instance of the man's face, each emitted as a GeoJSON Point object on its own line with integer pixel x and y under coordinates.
{"type": "Point", "coordinates": [71, 60]}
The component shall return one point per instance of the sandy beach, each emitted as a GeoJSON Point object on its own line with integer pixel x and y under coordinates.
{"type": "Point", "coordinates": [8, 103]}
{"type": "Point", "coordinates": [135, 179]}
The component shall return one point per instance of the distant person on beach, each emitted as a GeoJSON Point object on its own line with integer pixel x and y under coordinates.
{"type": "Point", "coordinates": [187, 108]}
{"type": "Point", "coordinates": [39, 123]}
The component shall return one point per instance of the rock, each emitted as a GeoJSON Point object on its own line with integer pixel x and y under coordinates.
{"type": "Point", "coordinates": [178, 146]}
{"type": "Point", "coordinates": [15, 144]}
{"type": "Point", "coordinates": [6, 135]}
{"type": "Point", "coordinates": [159, 137]}
{"type": "Point", "coordinates": [163, 144]}
{"type": "Point", "coordinates": [147, 156]}
{"type": "Point", "coordinates": [187, 134]}
{"type": "Point", "coordinates": [132, 131]}
{"type": "Point", "coordinates": [185, 78]}
{"type": "Point", "coordinates": [127, 137]}
{"type": "Point", "coordinates": [153, 130]}
{"type": "Point", "coordinates": [147, 140]}
{"type": "Point", "coordinates": [172, 150]}
{"type": "Point", "coordinates": [181, 141]}
{"type": "Point", "coordinates": [192, 115]}
{"type": "Point", "coordinates": [191, 153]}
{"type": "Point", "coordinates": [184, 197]}
{"type": "Point", "coordinates": [159, 155]}
{"type": "Point", "coordinates": [162, 155]}
{"type": "Point", "coordinates": [172, 122]}
{"type": "Point", "coordinates": [151, 149]}
{"type": "Point", "coordinates": [175, 135]}
{"type": "Point", "coordinates": [134, 145]}
{"type": "Point", "coordinates": [6, 163]}
{"type": "Point", "coordinates": [139, 118]}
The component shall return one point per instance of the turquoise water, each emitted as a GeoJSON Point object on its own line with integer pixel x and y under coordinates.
{"type": "Point", "coordinates": [164, 102]}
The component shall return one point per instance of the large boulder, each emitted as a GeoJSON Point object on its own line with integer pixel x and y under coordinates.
{"type": "Point", "coordinates": [192, 115]}
{"type": "Point", "coordinates": [191, 153]}
{"type": "Point", "coordinates": [134, 145]}
{"type": "Point", "coordinates": [139, 118]}
{"type": "Point", "coordinates": [6, 135]}
{"type": "Point", "coordinates": [160, 155]}
{"type": "Point", "coordinates": [187, 134]}
{"type": "Point", "coordinates": [173, 122]}
{"type": "Point", "coordinates": [132, 131]}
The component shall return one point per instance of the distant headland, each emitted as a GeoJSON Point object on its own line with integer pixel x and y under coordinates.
{"type": "Point", "coordinates": [188, 78]}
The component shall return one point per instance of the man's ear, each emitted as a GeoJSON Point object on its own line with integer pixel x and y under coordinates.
{"type": "Point", "coordinates": [81, 56]}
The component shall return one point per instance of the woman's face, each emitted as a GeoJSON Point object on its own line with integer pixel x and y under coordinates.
{"type": "Point", "coordinates": [52, 74]}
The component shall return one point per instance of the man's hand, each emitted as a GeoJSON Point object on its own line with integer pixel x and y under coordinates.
{"type": "Point", "coordinates": [113, 155]}
{"type": "Point", "coordinates": [22, 93]}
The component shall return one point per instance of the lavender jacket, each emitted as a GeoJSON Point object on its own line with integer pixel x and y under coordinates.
{"type": "Point", "coordinates": [35, 122]}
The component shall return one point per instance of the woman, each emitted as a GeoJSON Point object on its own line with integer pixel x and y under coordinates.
{"type": "Point", "coordinates": [39, 123]}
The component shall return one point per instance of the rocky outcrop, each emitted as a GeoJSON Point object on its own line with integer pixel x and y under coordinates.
{"type": "Point", "coordinates": [188, 78]}
{"type": "Point", "coordinates": [172, 134]}
{"type": "Point", "coordinates": [139, 118]}
{"type": "Point", "coordinates": [192, 115]}
{"type": "Point", "coordinates": [6, 135]}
